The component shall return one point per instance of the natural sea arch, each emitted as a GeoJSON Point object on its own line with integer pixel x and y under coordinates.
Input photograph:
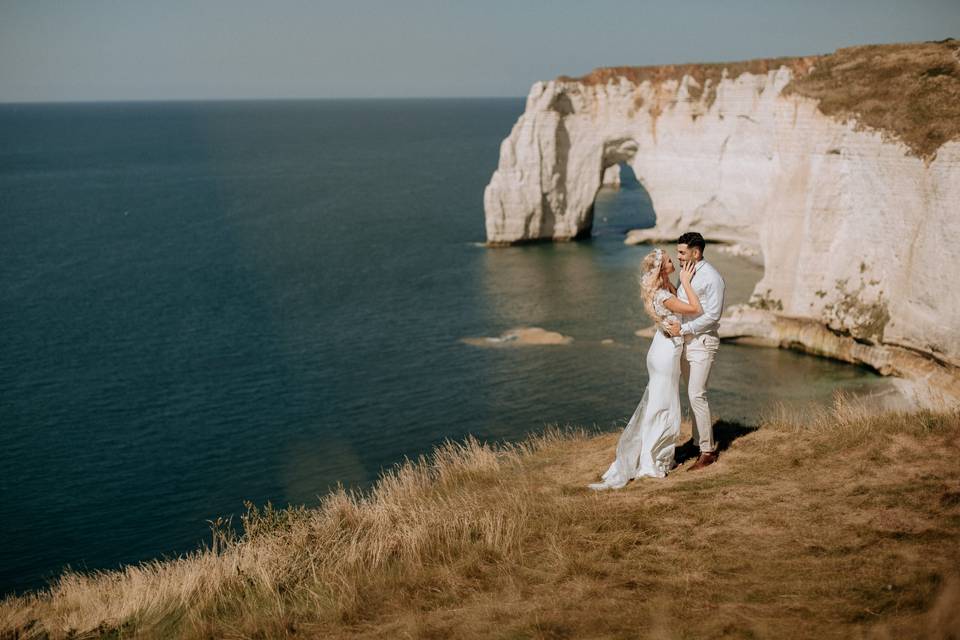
{"type": "Point", "coordinates": [618, 208]}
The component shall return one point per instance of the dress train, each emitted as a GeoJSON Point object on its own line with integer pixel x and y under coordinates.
{"type": "Point", "coordinates": [647, 445]}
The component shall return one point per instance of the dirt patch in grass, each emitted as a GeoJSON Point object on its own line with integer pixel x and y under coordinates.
{"type": "Point", "coordinates": [909, 91]}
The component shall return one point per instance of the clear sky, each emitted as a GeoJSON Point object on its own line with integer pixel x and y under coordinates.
{"type": "Point", "coordinates": [185, 49]}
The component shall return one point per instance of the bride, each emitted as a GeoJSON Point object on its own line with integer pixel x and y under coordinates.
{"type": "Point", "coordinates": [647, 444]}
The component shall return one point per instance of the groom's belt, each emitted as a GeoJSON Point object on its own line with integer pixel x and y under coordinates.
{"type": "Point", "coordinates": [690, 336]}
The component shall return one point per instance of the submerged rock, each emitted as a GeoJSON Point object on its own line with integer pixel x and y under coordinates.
{"type": "Point", "coordinates": [647, 332]}
{"type": "Point", "coordinates": [521, 336]}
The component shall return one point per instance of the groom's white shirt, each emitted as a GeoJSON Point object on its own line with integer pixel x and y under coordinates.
{"type": "Point", "coordinates": [708, 284]}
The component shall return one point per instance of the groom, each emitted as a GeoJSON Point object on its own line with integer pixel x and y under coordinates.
{"type": "Point", "coordinates": [700, 340]}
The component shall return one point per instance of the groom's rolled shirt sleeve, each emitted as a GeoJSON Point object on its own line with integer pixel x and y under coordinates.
{"type": "Point", "coordinates": [712, 303]}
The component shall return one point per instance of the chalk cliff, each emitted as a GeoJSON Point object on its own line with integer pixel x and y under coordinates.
{"type": "Point", "coordinates": [854, 206]}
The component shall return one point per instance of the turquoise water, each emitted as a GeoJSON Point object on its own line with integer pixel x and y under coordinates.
{"type": "Point", "coordinates": [205, 303]}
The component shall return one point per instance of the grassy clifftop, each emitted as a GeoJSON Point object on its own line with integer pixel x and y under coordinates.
{"type": "Point", "coordinates": [840, 524]}
{"type": "Point", "coordinates": [909, 91]}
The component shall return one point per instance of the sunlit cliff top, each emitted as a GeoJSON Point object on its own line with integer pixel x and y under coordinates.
{"type": "Point", "coordinates": [908, 91]}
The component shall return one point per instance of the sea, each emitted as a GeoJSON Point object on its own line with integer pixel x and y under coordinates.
{"type": "Point", "coordinates": [207, 303]}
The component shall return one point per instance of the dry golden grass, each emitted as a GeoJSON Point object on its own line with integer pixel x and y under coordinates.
{"type": "Point", "coordinates": [835, 524]}
{"type": "Point", "coordinates": [707, 74]}
{"type": "Point", "coordinates": [909, 92]}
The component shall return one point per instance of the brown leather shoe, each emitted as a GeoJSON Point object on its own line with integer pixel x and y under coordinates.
{"type": "Point", "coordinates": [704, 460]}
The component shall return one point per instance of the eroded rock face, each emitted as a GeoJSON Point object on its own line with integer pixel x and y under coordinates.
{"type": "Point", "coordinates": [855, 231]}
{"type": "Point", "coordinates": [928, 382]}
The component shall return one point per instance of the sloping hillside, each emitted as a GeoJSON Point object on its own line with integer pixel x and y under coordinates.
{"type": "Point", "coordinates": [836, 525]}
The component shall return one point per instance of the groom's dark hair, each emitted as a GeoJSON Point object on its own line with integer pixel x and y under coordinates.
{"type": "Point", "coordinates": [693, 239]}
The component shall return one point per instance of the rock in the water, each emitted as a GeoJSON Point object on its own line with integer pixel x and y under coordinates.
{"type": "Point", "coordinates": [933, 383]}
{"type": "Point", "coordinates": [611, 176]}
{"type": "Point", "coordinates": [747, 252]}
{"type": "Point", "coordinates": [648, 236]}
{"type": "Point", "coordinates": [521, 336]}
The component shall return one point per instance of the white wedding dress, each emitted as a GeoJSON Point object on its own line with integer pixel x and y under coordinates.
{"type": "Point", "coordinates": [648, 442]}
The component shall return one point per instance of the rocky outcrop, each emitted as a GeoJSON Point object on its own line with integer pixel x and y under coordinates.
{"type": "Point", "coordinates": [521, 336]}
{"type": "Point", "coordinates": [611, 176]}
{"type": "Point", "coordinates": [859, 229]}
{"type": "Point", "coordinates": [929, 382]}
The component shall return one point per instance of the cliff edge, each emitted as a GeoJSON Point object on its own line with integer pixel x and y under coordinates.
{"type": "Point", "coordinates": [843, 170]}
{"type": "Point", "coordinates": [851, 519]}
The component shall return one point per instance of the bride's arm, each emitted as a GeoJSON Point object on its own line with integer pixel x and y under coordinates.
{"type": "Point", "coordinates": [675, 304]}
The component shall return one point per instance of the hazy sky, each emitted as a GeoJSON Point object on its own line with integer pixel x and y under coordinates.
{"type": "Point", "coordinates": [173, 49]}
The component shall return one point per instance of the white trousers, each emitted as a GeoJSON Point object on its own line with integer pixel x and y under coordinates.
{"type": "Point", "coordinates": [699, 352]}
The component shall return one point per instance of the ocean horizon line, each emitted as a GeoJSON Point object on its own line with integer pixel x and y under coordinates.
{"type": "Point", "coordinates": [5, 103]}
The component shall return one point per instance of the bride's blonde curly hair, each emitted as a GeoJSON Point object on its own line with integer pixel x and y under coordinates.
{"type": "Point", "coordinates": [650, 281]}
